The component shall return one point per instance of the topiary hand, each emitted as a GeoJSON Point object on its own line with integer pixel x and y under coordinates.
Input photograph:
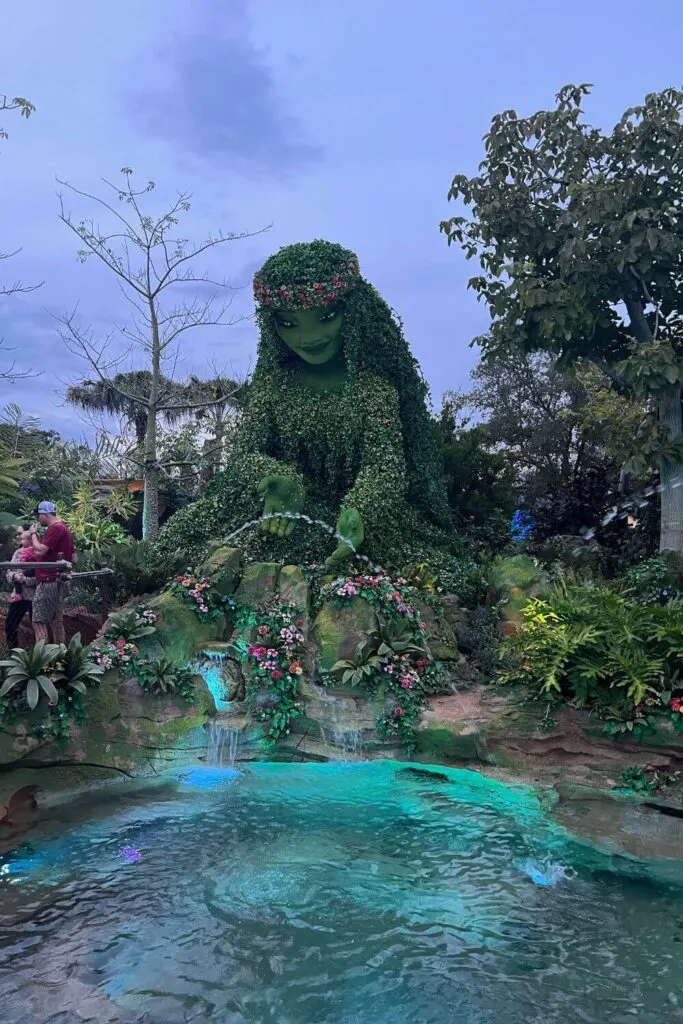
{"type": "Point", "coordinates": [281, 495]}
{"type": "Point", "coordinates": [349, 526]}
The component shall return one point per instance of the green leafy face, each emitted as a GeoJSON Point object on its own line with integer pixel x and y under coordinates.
{"type": "Point", "coordinates": [312, 334]}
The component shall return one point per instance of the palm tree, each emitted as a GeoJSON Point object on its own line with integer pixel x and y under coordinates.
{"type": "Point", "coordinates": [129, 395]}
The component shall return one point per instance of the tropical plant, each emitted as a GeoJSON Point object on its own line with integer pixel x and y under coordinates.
{"type": "Point", "coordinates": [161, 676]}
{"type": "Point", "coordinates": [10, 474]}
{"type": "Point", "coordinates": [130, 625]}
{"type": "Point", "coordinates": [138, 569]}
{"type": "Point", "coordinates": [93, 520]}
{"type": "Point", "coordinates": [27, 670]}
{"type": "Point", "coordinates": [74, 667]}
{"type": "Point", "coordinates": [596, 647]}
{"type": "Point", "coordinates": [365, 664]}
{"type": "Point", "coordinates": [654, 581]}
{"type": "Point", "coordinates": [396, 636]}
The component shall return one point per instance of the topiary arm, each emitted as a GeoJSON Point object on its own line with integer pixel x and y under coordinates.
{"type": "Point", "coordinates": [261, 476]}
{"type": "Point", "coordinates": [378, 493]}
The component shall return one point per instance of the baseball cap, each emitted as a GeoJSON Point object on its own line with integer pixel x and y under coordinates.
{"type": "Point", "coordinates": [46, 508]}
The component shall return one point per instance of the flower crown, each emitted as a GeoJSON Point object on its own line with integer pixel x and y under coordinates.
{"type": "Point", "coordinates": [307, 294]}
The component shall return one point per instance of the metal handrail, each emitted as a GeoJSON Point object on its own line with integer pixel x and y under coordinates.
{"type": "Point", "coordinates": [35, 565]}
{"type": "Point", "coordinates": [64, 566]}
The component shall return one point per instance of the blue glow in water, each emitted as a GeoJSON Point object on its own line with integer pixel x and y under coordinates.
{"type": "Point", "coordinates": [209, 779]}
{"type": "Point", "coordinates": [546, 875]}
{"type": "Point", "coordinates": [211, 672]}
{"type": "Point", "coordinates": [341, 894]}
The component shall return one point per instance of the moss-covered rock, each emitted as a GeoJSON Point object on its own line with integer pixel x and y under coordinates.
{"type": "Point", "coordinates": [223, 568]}
{"type": "Point", "coordinates": [258, 584]}
{"type": "Point", "coordinates": [338, 631]}
{"type": "Point", "coordinates": [294, 587]}
{"type": "Point", "coordinates": [127, 731]}
{"type": "Point", "coordinates": [179, 632]}
{"type": "Point", "coordinates": [17, 739]}
{"type": "Point", "coordinates": [443, 742]}
{"type": "Point", "coordinates": [443, 642]}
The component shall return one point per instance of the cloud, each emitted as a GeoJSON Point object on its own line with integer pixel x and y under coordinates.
{"type": "Point", "coordinates": [221, 101]}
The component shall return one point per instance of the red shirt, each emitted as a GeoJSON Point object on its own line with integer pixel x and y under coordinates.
{"type": "Point", "coordinates": [60, 545]}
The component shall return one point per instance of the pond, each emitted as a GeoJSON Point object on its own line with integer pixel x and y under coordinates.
{"type": "Point", "coordinates": [360, 893]}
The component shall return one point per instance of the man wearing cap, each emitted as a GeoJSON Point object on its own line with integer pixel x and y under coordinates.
{"type": "Point", "coordinates": [56, 545]}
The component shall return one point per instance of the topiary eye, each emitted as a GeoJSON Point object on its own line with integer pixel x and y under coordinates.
{"type": "Point", "coordinates": [328, 317]}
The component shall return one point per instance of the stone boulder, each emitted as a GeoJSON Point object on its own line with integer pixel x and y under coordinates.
{"type": "Point", "coordinates": [179, 633]}
{"type": "Point", "coordinates": [338, 631]}
{"type": "Point", "coordinates": [127, 732]}
{"type": "Point", "coordinates": [258, 584]}
{"type": "Point", "coordinates": [293, 587]}
{"type": "Point", "coordinates": [223, 568]}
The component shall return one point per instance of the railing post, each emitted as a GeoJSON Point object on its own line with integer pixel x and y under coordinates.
{"type": "Point", "coordinates": [105, 596]}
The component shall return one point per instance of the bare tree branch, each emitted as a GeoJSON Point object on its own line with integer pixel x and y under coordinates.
{"type": "Point", "coordinates": [147, 261]}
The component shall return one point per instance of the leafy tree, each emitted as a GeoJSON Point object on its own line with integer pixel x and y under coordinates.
{"type": "Point", "coordinates": [479, 479]}
{"type": "Point", "coordinates": [10, 474]}
{"type": "Point", "coordinates": [578, 234]}
{"type": "Point", "coordinates": [51, 467]}
{"type": "Point", "coordinates": [150, 264]}
{"type": "Point", "coordinates": [553, 427]}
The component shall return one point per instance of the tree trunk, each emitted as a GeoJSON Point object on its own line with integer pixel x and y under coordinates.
{"type": "Point", "coordinates": [671, 476]}
{"type": "Point", "coordinates": [150, 502]}
{"type": "Point", "coordinates": [671, 419]}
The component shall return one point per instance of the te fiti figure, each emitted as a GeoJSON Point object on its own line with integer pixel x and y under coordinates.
{"type": "Point", "coordinates": [336, 424]}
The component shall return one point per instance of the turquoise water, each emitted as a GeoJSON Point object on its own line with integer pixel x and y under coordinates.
{"type": "Point", "coordinates": [331, 894]}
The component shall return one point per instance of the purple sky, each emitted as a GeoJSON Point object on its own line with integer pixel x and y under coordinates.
{"type": "Point", "coordinates": [344, 121]}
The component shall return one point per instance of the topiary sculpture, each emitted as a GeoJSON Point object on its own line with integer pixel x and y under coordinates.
{"type": "Point", "coordinates": [337, 424]}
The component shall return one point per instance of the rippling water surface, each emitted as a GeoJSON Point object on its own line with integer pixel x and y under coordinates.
{"type": "Point", "coordinates": [331, 894]}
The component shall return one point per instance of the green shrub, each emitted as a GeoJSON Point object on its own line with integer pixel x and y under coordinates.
{"type": "Point", "coordinates": [163, 678]}
{"type": "Point", "coordinates": [75, 667]}
{"type": "Point", "coordinates": [462, 576]}
{"type": "Point", "coordinates": [654, 581]}
{"type": "Point", "coordinates": [27, 673]}
{"type": "Point", "coordinates": [479, 639]}
{"type": "Point", "coordinates": [130, 625]}
{"type": "Point", "coordinates": [139, 569]}
{"type": "Point", "coordinates": [597, 647]}
{"type": "Point", "coordinates": [52, 670]}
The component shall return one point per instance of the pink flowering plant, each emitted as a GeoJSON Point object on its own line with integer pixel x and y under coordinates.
{"type": "Point", "coordinates": [114, 653]}
{"type": "Point", "coordinates": [395, 661]}
{"type": "Point", "coordinates": [273, 653]}
{"type": "Point", "coordinates": [396, 596]}
{"type": "Point", "coordinates": [675, 709]}
{"type": "Point", "coordinates": [198, 593]}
